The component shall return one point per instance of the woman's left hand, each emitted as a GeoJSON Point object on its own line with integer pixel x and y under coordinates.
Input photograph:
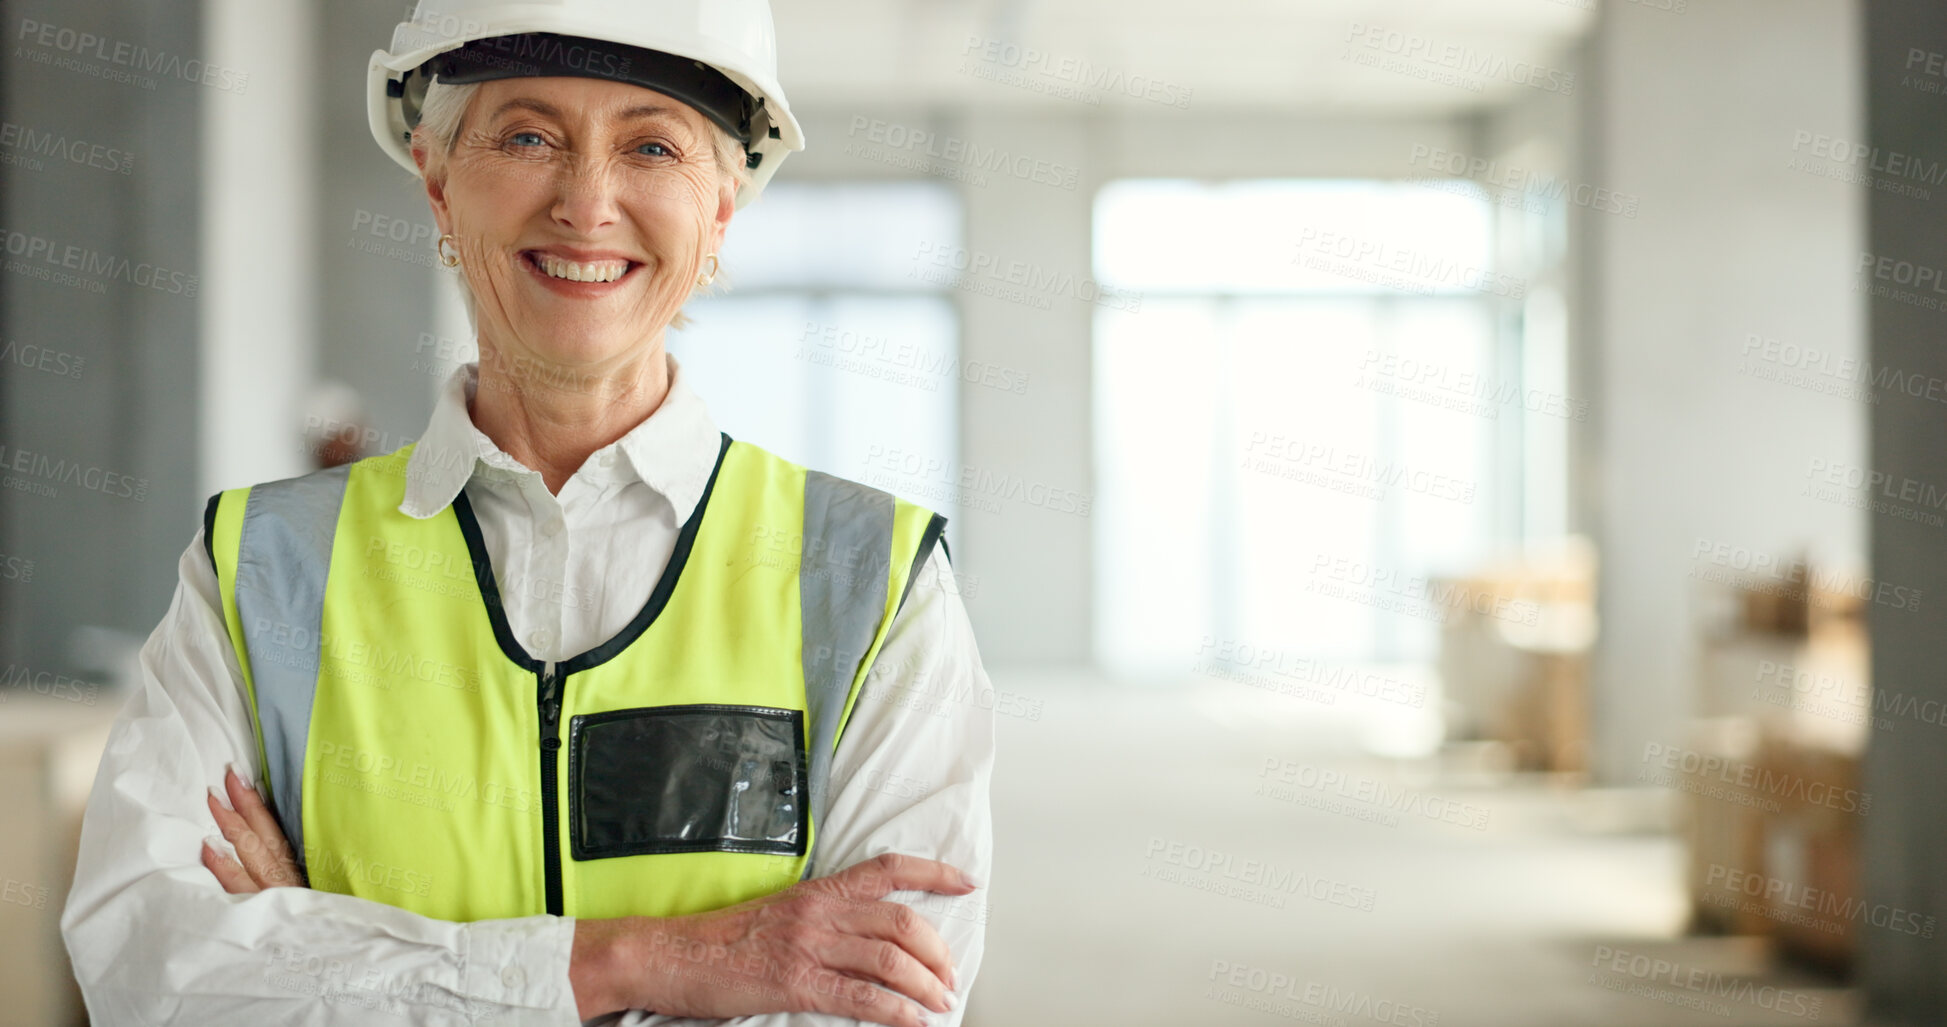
{"type": "Point", "coordinates": [250, 829]}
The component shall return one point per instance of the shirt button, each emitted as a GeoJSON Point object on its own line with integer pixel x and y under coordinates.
{"type": "Point", "coordinates": [544, 639]}
{"type": "Point", "coordinates": [607, 460]}
{"type": "Point", "coordinates": [551, 527]}
{"type": "Point", "coordinates": [512, 978]}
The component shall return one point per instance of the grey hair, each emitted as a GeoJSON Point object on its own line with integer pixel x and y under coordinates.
{"type": "Point", "coordinates": [439, 118]}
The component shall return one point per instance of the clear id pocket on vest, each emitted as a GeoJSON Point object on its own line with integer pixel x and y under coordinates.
{"type": "Point", "coordinates": [699, 778]}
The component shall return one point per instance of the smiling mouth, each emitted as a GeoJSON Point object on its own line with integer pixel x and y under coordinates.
{"type": "Point", "coordinates": [561, 269]}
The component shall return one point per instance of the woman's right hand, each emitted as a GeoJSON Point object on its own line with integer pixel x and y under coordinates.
{"type": "Point", "coordinates": [819, 946]}
{"type": "Point", "coordinates": [264, 857]}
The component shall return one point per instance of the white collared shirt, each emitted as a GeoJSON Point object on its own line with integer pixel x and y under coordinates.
{"type": "Point", "coordinates": [155, 939]}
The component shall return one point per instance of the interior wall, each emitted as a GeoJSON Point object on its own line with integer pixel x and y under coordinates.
{"type": "Point", "coordinates": [1697, 457]}
{"type": "Point", "coordinates": [99, 320]}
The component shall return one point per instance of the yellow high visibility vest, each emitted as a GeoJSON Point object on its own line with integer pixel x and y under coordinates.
{"type": "Point", "coordinates": [416, 755]}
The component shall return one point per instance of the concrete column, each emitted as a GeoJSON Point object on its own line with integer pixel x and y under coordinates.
{"type": "Point", "coordinates": [259, 192]}
{"type": "Point", "coordinates": [1905, 56]}
{"type": "Point", "coordinates": [1691, 443]}
{"type": "Point", "coordinates": [1034, 563]}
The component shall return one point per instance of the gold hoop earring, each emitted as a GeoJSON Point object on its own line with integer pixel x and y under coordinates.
{"type": "Point", "coordinates": [448, 259]}
{"type": "Point", "coordinates": [703, 279]}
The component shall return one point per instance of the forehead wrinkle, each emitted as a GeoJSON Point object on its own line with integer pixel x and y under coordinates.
{"type": "Point", "coordinates": [634, 112]}
{"type": "Point", "coordinates": [651, 110]}
{"type": "Point", "coordinates": [528, 103]}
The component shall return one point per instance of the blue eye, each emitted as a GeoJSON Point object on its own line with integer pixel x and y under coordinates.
{"type": "Point", "coordinates": [534, 137]}
{"type": "Point", "coordinates": [659, 146]}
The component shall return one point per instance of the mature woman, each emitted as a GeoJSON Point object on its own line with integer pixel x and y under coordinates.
{"type": "Point", "coordinates": [577, 708]}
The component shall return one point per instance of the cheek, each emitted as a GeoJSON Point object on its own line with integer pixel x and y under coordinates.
{"type": "Point", "coordinates": [675, 197]}
{"type": "Point", "coordinates": [495, 197]}
{"type": "Point", "coordinates": [676, 217]}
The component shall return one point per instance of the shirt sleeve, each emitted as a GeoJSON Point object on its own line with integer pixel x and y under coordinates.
{"type": "Point", "coordinates": [153, 937]}
{"type": "Point", "coordinates": [911, 775]}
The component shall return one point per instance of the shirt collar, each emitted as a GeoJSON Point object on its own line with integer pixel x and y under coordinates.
{"type": "Point", "coordinates": [673, 450]}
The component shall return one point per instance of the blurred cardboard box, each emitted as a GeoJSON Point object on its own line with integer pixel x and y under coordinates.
{"type": "Point", "coordinates": [1514, 659]}
{"type": "Point", "coordinates": [1786, 702]}
{"type": "Point", "coordinates": [1812, 888]}
{"type": "Point", "coordinates": [1724, 826]}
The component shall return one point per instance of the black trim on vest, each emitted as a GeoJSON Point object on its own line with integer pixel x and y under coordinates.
{"type": "Point", "coordinates": [209, 530]}
{"type": "Point", "coordinates": [483, 574]}
{"type": "Point", "coordinates": [664, 589]}
{"type": "Point", "coordinates": [935, 532]}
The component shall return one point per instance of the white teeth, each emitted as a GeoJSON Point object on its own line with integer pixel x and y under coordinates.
{"type": "Point", "coordinates": [593, 271]}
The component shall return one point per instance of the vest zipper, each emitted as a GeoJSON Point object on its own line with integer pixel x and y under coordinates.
{"type": "Point", "coordinates": [550, 707]}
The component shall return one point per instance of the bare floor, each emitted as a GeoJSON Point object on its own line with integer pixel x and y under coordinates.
{"type": "Point", "coordinates": [1189, 857]}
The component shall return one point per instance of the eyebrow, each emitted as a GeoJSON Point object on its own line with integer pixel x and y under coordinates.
{"type": "Point", "coordinates": [548, 110]}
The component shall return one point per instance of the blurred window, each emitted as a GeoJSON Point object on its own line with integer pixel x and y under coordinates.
{"type": "Point", "coordinates": [1300, 421]}
{"type": "Point", "coordinates": [829, 349]}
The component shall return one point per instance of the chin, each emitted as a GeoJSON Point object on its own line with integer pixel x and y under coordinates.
{"type": "Point", "coordinates": [580, 344]}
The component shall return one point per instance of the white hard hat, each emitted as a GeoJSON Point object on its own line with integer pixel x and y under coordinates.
{"type": "Point", "coordinates": [685, 48]}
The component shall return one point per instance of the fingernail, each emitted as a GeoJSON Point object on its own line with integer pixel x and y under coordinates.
{"type": "Point", "coordinates": [972, 881]}
{"type": "Point", "coordinates": [951, 1002]}
{"type": "Point", "coordinates": [215, 845]}
{"type": "Point", "coordinates": [242, 778]}
{"type": "Point", "coordinates": [953, 977]}
{"type": "Point", "coordinates": [221, 799]}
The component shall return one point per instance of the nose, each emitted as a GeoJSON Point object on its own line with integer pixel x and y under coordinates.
{"type": "Point", "coordinates": [585, 196]}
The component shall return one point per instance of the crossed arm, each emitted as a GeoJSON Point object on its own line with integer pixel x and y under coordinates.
{"type": "Point", "coordinates": [164, 929]}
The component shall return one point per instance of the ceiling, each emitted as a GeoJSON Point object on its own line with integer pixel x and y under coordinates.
{"type": "Point", "coordinates": [1288, 54]}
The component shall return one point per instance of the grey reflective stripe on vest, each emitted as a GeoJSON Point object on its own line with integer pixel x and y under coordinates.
{"type": "Point", "coordinates": [283, 558]}
{"type": "Point", "coordinates": [847, 556]}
